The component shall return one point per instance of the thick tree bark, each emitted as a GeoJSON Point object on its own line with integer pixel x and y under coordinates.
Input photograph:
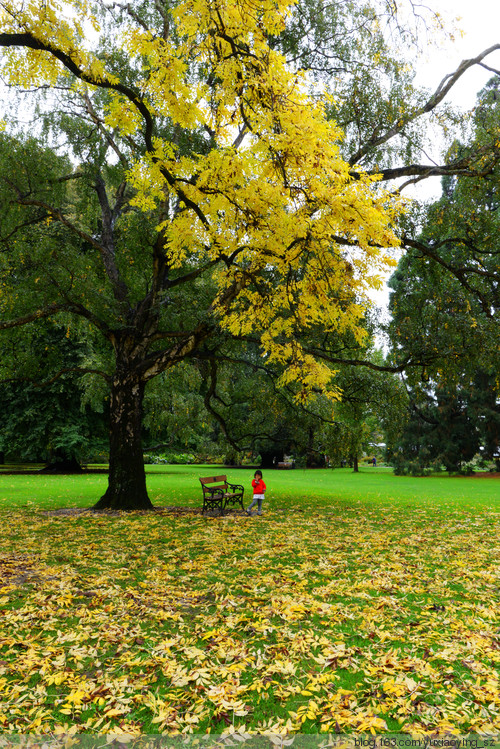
{"type": "Point", "coordinates": [127, 479]}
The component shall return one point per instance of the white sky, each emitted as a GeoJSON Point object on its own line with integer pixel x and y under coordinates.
{"type": "Point", "coordinates": [480, 24]}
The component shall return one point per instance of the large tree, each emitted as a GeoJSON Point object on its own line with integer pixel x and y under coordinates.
{"type": "Point", "coordinates": [208, 196]}
{"type": "Point", "coordinates": [445, 303]}
{"type": "Point", "coordinates": [447, 286]}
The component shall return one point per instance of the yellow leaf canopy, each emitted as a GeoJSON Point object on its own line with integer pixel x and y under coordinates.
{"type": "Point", "coordinates": [295, 239]}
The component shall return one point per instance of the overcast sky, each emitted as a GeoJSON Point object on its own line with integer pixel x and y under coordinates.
{"type": "Point", "coordinates": [480, 24]}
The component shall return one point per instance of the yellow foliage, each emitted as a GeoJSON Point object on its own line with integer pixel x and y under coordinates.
{"type": "Point", "coordinates": [296, 240]}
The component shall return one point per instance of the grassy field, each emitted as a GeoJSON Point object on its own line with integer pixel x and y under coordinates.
{"type": "Point", "coordinates": [171, 485]}
{"type": "Point", "coordinates": [356, 603]}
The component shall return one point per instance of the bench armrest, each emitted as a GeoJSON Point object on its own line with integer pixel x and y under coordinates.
{"type": "Point", "coordinates": [235, 487]}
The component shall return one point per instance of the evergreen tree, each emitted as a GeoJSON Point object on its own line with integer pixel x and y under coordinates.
{"type": "Point", "coordinates": [444, 306]}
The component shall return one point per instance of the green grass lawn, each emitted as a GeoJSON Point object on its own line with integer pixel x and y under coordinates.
{"type": "Point", "coordinates": [178, 485]}
{"type": "Point", "coordinates": [357, 603]}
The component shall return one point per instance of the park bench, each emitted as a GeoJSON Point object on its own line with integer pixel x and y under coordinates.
{"type": "Point", "coordinates": [218, 494]}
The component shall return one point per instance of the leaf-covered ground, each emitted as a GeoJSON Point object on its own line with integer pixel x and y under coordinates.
{"type": "Point", "coordinates": [331, 619]}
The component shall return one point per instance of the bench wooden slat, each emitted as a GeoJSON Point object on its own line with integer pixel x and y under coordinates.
{"type": "Point", "coordinates": [213, 479]}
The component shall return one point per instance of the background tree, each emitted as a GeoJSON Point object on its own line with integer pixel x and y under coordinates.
{"type": "Point", "coordinates": [45, 414]}
{"type": "Point", "coordinates": [441, 430]}
{"type": "Point", "coordinates": [445, 305]}
{"type": "Point", "coordinates": [258, 416]}
{"type": "Point", "coordinates": [50, 424]}
{"type": "Point", "coordinates": [484, 406]}
{"type": "Point", "coordinates": [371, 399]}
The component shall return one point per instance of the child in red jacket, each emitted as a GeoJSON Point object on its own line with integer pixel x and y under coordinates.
{"type": "Point", "coordinates": [259, 489]}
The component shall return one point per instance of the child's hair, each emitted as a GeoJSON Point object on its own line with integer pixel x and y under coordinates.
{"type": "Point", "coordinates": [257, 473]}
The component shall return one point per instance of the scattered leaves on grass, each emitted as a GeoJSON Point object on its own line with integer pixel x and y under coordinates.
{"type": "Point", "coordinates": [318, 621]}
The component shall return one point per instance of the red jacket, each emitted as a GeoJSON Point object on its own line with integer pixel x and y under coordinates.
{"type": "Point", "coordinates": [259, 486]}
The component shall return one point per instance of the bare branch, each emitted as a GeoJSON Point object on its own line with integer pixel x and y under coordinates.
{"type": "Point", "coordinates": [437, 97]}
{"type": "Point", "coordinates": [98, 122]}
{"type": "Point", "coordinates": [464, 167]}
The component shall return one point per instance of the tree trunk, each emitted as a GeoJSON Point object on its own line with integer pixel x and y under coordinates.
{"type": "Point", "coordinates": [127, 478]}
{"type": "Point", "coordinates": [356, 464]}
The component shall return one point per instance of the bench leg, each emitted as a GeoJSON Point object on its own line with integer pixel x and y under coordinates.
{"type": "Point", "coordinates": [232, 502]}
{"type": "Point", "coordinates": [215, 503]}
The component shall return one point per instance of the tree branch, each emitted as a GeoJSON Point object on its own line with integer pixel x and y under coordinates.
{"type": "Point", "coordinates": [458, 273]}
{"type": "Point", "coordinates": [107, 250]}
{"type": "Point", "coordinates": [462, 167]}
{"type": "Point", "coordinates": [27, 39]}
{"type": "Point", "coordinates": [38, 314]}
{"type": "Point", "coordinates": [159, 361]}
{"type": "Point", "coordinates": [437, 97]}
